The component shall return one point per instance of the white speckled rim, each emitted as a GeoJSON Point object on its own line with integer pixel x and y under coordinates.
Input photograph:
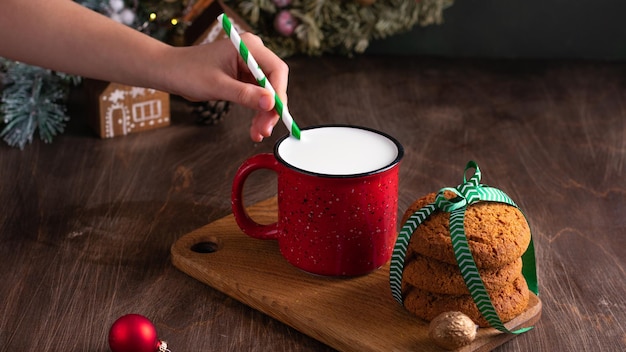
{"type": "Point", "coordinates": [384, 168]}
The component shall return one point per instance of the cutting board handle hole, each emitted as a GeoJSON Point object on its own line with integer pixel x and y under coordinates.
{"type": "Point", "coordinates": [208, 246]}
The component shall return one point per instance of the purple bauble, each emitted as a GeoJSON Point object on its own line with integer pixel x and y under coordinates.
{"type": "Point", "coordinates": [285, 23]}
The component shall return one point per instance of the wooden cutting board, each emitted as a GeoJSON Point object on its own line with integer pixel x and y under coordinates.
{"type": "Point", "coordinates": [349, 314]}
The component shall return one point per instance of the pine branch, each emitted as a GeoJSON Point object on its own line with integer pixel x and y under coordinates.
{"type": "Point", "coordinates": [33, 98]}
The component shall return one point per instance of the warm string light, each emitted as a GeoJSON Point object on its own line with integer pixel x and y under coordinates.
{"type": "Point", "coordinates": [153, 17]}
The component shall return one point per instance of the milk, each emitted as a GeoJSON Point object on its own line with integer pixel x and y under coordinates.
{"type": "Point", "coordinates": [339, 150]}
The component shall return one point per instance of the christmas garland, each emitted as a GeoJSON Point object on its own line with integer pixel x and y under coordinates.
{"type": "Point", "coordinates": [316, 27]}
{"type": "Point", "coordinates": [34, 98]}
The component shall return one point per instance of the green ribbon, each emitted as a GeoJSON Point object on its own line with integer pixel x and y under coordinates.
{"type": "Point", "coordinates": [469, 192]}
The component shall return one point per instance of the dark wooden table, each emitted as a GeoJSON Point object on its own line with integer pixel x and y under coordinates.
{"type": "Point", "coordinates": [86, 224]}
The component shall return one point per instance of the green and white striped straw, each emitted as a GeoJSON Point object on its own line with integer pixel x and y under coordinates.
{"type": "Point", "coordinates": [281, 109]}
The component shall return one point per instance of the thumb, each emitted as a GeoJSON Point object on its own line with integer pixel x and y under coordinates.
{"type": "Point", "coordinates": [249, 95]}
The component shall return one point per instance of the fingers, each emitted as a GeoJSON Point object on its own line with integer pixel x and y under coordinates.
{"type": "Point", "coordinates": [275, 68]}
{"type": "Point", "coordinates": [277, 73]}
{"type": "Point", "coordinates": [248, 95]}
{"type": "Point", "coordinates": [243, 87]}
{"type": "Point", "coordinates": [262, 125]}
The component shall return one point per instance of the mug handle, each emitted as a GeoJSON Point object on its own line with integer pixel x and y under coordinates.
{"type": "Point", "coordinates": [244, 221]}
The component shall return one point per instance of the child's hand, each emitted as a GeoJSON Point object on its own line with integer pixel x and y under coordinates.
{"type": "Point", "coordinates": [215, 71]}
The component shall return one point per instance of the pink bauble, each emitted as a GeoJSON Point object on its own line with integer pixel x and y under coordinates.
{"type": "Point", "coordinates": [285, 23]}
{"type": "Point", "coordinates": [133, 333]}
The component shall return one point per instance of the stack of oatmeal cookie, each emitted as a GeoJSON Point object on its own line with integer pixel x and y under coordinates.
{"type": "Point", "coordinates": [498, 235]}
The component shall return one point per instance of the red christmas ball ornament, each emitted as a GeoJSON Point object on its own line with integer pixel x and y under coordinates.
{"type": "Point", "coordinates": [285, 23]}
{"type": "Point", "coordinates": [135, 333]}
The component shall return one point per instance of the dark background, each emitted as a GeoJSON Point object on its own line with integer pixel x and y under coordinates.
{"type": "Point", "coordinates": [548, 29]}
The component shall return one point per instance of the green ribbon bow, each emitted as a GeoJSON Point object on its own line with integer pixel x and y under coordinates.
{"type": "Point", "coordinates": [469, 192]}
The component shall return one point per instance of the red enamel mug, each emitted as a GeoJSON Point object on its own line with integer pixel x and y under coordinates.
{"type": "Point", "coordinates": [337, 199]}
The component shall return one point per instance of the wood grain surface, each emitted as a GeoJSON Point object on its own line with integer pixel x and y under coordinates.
{"type": "Point", "coordinates": [86, 225]}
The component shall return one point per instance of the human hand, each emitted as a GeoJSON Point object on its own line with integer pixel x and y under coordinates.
{"type": "Point", "coordinates": [215, 71]}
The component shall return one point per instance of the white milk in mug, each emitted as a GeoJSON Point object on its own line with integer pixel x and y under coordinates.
{"type": "Point", "coordinates": [339, 150]}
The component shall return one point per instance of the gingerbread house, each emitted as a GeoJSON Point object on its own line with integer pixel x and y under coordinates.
{"type": "Point", "coordinates": [117, 109]}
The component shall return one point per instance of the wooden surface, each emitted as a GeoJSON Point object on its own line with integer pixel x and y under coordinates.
{"type": "Point", "coordinates": [86, 225]}
{"type": "Point", "coordinates": [336, 311]}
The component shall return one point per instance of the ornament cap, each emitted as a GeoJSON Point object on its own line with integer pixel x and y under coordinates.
{"type": "Point", "coordinates": [162, 346]}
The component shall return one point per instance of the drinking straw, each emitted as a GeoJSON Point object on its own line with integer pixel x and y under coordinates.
{"type": "Point", "coordinates": [254, 67]}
